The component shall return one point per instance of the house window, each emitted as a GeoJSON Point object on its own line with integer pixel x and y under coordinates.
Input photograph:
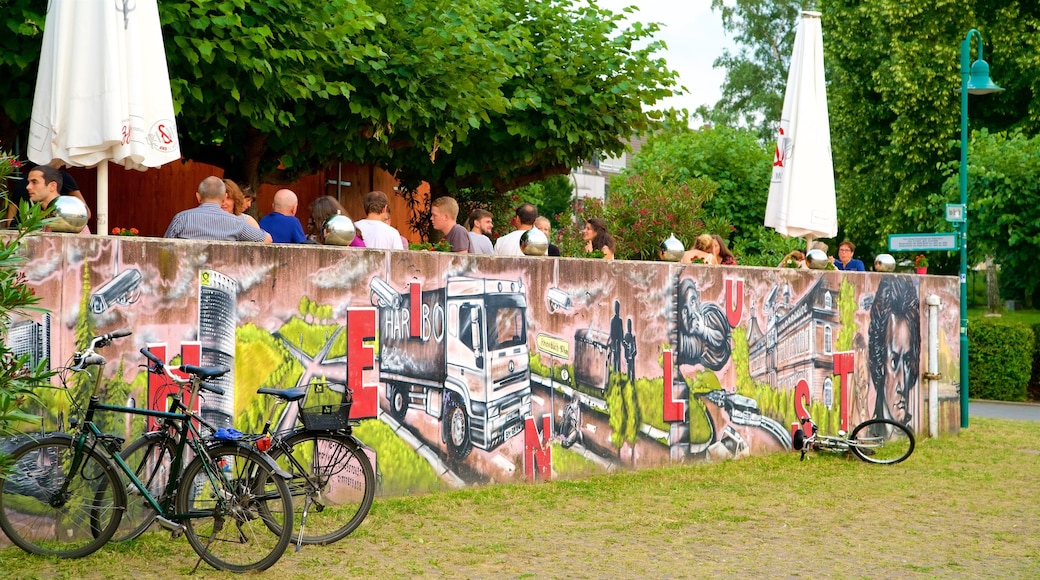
{"type": "Point", "coordinates": [828, 392]}
{"type": "Point", "coordinates": [828, 302]}
{"type": "Point", "coordinates": [827, 339]}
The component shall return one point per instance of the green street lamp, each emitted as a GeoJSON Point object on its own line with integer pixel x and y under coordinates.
{"type": "Point", "coordinates": [975, 80]}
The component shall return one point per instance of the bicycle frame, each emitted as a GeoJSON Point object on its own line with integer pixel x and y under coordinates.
{"type": "Point", "coordinates": [189, 437]}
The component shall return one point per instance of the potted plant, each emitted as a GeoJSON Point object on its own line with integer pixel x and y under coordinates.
{"type": "Point", "coordinates": [921, 264]}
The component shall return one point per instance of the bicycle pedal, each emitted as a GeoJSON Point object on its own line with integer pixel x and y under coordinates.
{"type": "Point", "coordinates": [175, 528]}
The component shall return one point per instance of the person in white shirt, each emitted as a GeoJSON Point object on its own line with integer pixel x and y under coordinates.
{"type": "Point", "coordinates": [509, 244]}
{"type": "Point", "coordinates": [375, 230]}
{"type": "Point", "coordinates": [481, 222]}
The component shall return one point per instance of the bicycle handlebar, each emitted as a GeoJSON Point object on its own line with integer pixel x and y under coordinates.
{"type": "Point", "coordinates": [88, 357]}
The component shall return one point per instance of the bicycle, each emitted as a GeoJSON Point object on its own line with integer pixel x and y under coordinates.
{"type": "Point", "coordinates": [880, 441]}
{"type": "Point", "coordinates": [66, 497]}
{"type": "Point", "coordinates": [331, 479]}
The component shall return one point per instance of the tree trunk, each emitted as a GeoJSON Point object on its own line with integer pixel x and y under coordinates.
{"type": "Point", "coordinates": [992, 287]}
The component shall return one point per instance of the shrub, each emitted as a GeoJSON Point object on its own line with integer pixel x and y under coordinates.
{"type": "Point", "coordinates": [999, 364]}
{"type": "Point", "coordinates": [1034, 379]}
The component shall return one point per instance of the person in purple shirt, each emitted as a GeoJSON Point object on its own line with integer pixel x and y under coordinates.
{"type": "Point", "coordinates": [282, 223]}
{"type": "Point", "coordinates": [845, 260]}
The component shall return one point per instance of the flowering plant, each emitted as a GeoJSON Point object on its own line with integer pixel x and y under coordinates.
{"type": "Point", "coordinates": [441, 246]}
{"type": "Point", "coordinates": [8, 164]}
{"type": "Point", "coordinates": [920, 261]}
{"type": "Point", "coordinates": [125, 232]}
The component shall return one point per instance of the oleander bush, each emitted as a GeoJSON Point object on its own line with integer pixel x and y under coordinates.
{"type": "Point", "coordinates": [1000, 358]}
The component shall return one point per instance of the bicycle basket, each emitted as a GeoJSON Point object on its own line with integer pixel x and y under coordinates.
{"type": "Point", "coordinates": [327, 407]}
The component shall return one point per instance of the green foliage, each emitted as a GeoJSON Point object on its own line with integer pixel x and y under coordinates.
{"type": "Point", "coordinates": [20, 40]}
{"type": "Point", "coordinates": [756, 74]}
{"type": "Point", "coordinates": [404, 471]}
{"type": "Point", "coordinates": [1003, 189]}
{"type": "Point", "coordinates": [735, 160]}
{"type": "Point", "coordinates": [999, 368]}
{"type": "Point", "coordinates": [642, 210]}
{"type": "Point", "coordinates": [18, 380]}
{"type": "Point", "coordinates": [574, 85]}
{"type": "Point", "coordinates": [1034, 378]}
{"type": "Point", "coordinates": [765, 247]}
{"type": "Point", "coordinates": [894, 112]}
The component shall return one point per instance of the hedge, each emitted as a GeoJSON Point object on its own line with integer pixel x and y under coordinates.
{"type": "Point", "coordinates": [1000, 359]}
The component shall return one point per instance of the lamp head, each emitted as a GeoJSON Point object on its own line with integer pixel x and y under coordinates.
{"type": "Point", "coordinates": [979, 83]}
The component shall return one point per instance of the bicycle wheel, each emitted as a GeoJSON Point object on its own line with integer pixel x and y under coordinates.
{"type": "Point", "coordinates": [150, 457]}
{"type": "Point", "coordinates": [232, 501]}
{"type": "Point", "coordinates": [332, 484]}
{"type": "Point", "coordinates": [882, 441]}
{"type": "Point", "coordinates": [50, 506]}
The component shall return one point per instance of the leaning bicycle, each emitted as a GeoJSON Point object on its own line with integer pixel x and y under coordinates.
{"type": "Point", "coordinates": [880, 441]}
{"type": "Point", "coordinates": [331, 478]}
{"type": "Point", "coordinates": [67, 494]}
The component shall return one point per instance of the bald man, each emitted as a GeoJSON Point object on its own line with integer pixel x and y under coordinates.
{"type": "Point", "coordinates": [282, 223]}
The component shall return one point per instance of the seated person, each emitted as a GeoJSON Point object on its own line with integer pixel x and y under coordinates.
{"type": "Point", "coordinates": [701, 251]}
{"type": "Point", "coordinates": [209, 221]}
{"type": "Point", "coordinates": [282, 223]}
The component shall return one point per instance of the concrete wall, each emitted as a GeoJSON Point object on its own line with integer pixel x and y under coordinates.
{"type": "Point", "coordinates": [531, 367]}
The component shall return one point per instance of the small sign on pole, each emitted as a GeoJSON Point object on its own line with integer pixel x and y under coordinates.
{"type": "Point", "coordinates": [955, 212]}
{"type": "Point", "coordinates": [922, 242]}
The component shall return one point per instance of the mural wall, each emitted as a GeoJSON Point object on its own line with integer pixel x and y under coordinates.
{"type": "Point", "coordinates": [474, 369]}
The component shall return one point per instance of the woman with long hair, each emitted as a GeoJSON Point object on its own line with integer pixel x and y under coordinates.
{"type": "Point", "coordinates": [322, 209]}
{"type": "Point", "coordinates": [597, 238]}
{"type": "Point", "coordinates": [235, 203]}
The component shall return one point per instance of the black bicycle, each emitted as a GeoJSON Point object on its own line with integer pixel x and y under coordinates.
{"type": "Point", "coordinates": [68, 491]}
{"type": "Point", "coordinates": [330, 476]}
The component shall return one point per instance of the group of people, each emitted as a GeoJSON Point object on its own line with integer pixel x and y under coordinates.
{"type": "Point", "coordinates": [709, 249]}
{"type": "Point", "coordinates": [845, 260]}
{"type": "Point", "coordinates": [221, 215]}
{"type": "Point", "coordinates": [223, 205]}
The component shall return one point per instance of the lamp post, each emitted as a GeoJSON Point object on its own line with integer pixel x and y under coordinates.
{"type": "Point", "coordinates": [975, 80]}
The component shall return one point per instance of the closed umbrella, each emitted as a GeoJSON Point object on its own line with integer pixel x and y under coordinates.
{"type": "Point", "coordinates": [103, 91]}
{"type": "Point", "coordinates": [801, 193]}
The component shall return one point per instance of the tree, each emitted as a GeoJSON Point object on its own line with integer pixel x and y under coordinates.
{"type": "Point", "coordinates": [1004, 216]}
{"type": "Point", "coordinates": [577, 89]}
{"type": "Point", "coordinates": [19, 60]}
{"type": "Point", "coordinates": [893, 69]}
{"type": "Point", "coordinates": [735, 160]}
{"type": "Point", "coordinates": [253, 81]}
{"type": "Point", "coordinates": [753, 93]}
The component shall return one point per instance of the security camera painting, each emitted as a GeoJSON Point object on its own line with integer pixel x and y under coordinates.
{"type": "Point", "coordinates": [468, 369]}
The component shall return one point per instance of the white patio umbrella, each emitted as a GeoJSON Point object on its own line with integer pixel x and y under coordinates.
{"type": "Point", "coordinates": [103, 91]}
{"type": "Point", "coordinates": [801, 194]}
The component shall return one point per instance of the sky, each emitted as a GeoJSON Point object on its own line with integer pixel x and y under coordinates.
{"type": "Point", "coordinates": [695, 38]}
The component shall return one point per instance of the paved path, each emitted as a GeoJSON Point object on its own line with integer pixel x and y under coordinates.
{"type": "Point", "coordinates": [1002, 410]}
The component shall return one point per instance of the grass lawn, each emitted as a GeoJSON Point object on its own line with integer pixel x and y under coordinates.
{"type": "Point", "coordinates": [962, 506]}
{"type": "Point", "coordinates": [1029, 317]}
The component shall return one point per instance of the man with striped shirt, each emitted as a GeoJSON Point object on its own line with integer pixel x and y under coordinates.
{"type": "Point", "coordinates": [210, 222]}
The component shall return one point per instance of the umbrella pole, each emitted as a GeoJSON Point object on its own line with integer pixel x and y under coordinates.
{"type": "Point", "coordinates": [102, 198]}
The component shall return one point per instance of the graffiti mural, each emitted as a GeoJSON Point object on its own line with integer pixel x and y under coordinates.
{"type": "Point", "coordinates": [473, 369]}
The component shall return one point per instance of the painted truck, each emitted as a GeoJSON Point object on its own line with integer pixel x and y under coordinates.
{"type": "Point", "coordinates": [458, 353]}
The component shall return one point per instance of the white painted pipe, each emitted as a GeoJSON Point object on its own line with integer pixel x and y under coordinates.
{"type": "Point", "coordinates": [933, 365]}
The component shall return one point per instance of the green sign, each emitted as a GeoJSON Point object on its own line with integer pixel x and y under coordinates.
{"type": "Point", "coordinates": [922, 242]}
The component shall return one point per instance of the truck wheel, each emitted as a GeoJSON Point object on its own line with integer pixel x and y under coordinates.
{"type": "Point", "coordinates": [398, 402]}
{"type": "Point", "coordinates": [456, 427]}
